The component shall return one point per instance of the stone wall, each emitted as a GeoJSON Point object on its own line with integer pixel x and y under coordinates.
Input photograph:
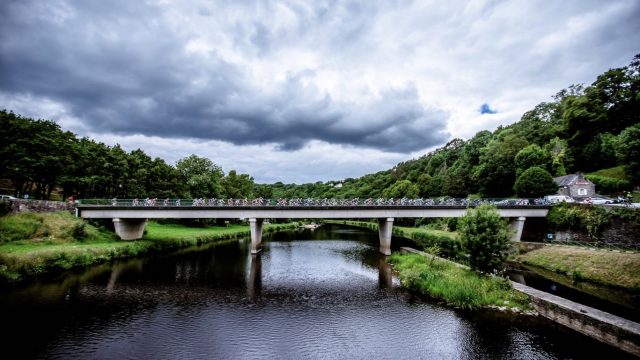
{"type": "Point", "coordinates": [17, 206]}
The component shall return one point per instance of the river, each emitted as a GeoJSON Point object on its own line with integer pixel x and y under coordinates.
{"type": "Point", "coordinates": [322, 294]}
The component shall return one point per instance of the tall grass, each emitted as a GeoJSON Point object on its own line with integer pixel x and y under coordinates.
{"type": "Point", "coordinates": [454, 285]}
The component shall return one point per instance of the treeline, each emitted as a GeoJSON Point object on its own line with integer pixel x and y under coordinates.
{"type": "Point", "coordinates": [584, 129]}
{"type": "Point", "coordinates": [38, 157]}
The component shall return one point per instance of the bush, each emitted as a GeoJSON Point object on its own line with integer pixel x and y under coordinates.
{"type": "Point", "coordinates": [592, 220]}
{"type": "Point", "coordinates": [535, 182]}
{"type": "Point", "coordinates": [485, 237]}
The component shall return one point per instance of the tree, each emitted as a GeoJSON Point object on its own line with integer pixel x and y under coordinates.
{"type": "Point", "coordinates": [496, 172]}
{"type": "Point", "coordinates": [628, 151]}
{"type": "Point", "coordinates": [202, 178]}
{"type": "Point", "coordinates": [535, 182]}
{"type": "Point", "coordinates": [237, 186]}
{"type": "Point", "coordinates": [485, 237]}
{"type": "Point", "coordinates": [530, 156]}
{"type": "Point", "coordinates": [402, 189]}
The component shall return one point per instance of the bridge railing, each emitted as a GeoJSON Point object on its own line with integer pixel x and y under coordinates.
{"type": "Point", "coordinates": [298, 202]}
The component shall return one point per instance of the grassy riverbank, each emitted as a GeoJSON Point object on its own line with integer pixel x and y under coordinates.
{"type": "Point", "coordinates": [610, 268]}
{"type": "Point", "coordinates": [33, 244]}
{"type": "Point", "coordinates": [446, 241]}
{"type": "Point", "coordinates": [456, 285]}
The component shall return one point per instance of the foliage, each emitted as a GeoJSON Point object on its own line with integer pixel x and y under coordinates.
{"type": "Point", "coordinates": [628, 151]}
{"type": "Point", "coordinates": [608, 185]}
{"type": "Point", "coordinates": [485, 237]}
{"type": "Point", "coordinates": [535, 182]}
{"type": "Point", "coordinates": [532, 156]}
{"type": "Point", "coordinates": [455, 285]}
{"type": "Point", "coordinates": [590, 219]}
{"type": "Point", "coordinates": [401, 189]}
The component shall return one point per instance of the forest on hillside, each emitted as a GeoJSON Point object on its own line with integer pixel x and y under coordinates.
{"type": "Point", "coordinates": [592, 129]}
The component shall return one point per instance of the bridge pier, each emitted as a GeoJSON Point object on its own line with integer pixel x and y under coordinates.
{"type": "Point", "coordinates": [517, 225]}
{"type": "Point", "coordinates": [129, 229]}
{"type": "Point", "coordinates": [256, 234]}
{"type": "Point", "coordinates": [385, 225]}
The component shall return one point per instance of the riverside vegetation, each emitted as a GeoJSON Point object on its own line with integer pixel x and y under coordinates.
{"type": "Point", "coordinates": [34, 244]}
{"type": "Point", "coordinates": [483, 234]}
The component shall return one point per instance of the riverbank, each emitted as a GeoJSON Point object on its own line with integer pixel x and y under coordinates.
{"type": "Point", "coordinates": [456, 285]}
{"type": "Point", "coordinates": [35, 244]}
{"type": "Point", "coordinates": [610, 268]}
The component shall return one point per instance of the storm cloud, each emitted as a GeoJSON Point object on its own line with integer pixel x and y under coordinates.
{"type": "Point", "coordinates": [128, 68]}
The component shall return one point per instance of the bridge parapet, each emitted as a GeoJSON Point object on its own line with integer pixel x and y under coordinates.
{"type": "Point", "coordinates": [310, 202]}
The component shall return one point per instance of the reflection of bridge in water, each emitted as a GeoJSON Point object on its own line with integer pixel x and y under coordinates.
{"type": "Point", "coordinates": [130, 221]}
{"type": "Point", "coordinates": [254, 276]}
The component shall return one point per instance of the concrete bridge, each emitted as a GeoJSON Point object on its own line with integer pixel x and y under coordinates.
{"type": "Point", "coordinates": [129, 221]}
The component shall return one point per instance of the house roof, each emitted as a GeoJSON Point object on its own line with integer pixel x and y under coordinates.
{"type": "Point", "coordinates": [570, 179]}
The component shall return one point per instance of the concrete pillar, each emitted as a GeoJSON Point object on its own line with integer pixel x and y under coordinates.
{"type": "Point", "coordinates": [129, 229]}
{"type": "Point", "coordinates": [256, 235]}
{"type": "Point", "coordinates": [517, 224]}
{"type": "Point", "coordinates": [385, 226]}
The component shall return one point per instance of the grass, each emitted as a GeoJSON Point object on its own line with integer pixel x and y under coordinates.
{"type": "Point", "coordinates": [34, 244]}
{"type": "Point", "coordinates": [454, 285]}
{"type": "Point", "coordinates": [616, 269]}
{"type": "Point", "coordinates": [614, 172]}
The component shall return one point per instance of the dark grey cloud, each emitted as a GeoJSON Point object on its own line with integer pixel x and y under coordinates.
{"type": "Point", "coordinates": [124, 68]}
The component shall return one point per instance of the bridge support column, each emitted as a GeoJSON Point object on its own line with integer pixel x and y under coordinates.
{"type": "Point", "coordinates": [129, 229]}
{"type": "Point", "coordinates": [256, 234]}
{"type": "Point", "coordinates": [517, 225]}
{"type": "Point", "coordinates": [385, 226]}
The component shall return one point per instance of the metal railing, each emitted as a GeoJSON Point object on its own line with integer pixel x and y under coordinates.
{"type": "Point", "coordinates": [299, 202]}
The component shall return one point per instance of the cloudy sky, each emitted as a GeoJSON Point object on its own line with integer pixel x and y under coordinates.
{"type": "Point", "coordinates": [300, 91]}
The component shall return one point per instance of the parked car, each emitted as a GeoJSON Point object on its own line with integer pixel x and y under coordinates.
{"type": "Point", "coordinates": [8, 197]}
{"type": "Point", "coordinates": [598, 200]}
{"type": "Point", "coordinates": [558, 198]}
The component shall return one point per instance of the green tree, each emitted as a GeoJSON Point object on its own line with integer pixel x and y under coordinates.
{"type": "Point", "coordinates": [202, 178]}
{"type": "Point", "coordinates": [530, 156]}
{"type": "Point", "coordinates": [485, 237]}
{"type": "Point", "coordinates": [628, 151]}
{"type": "Point", "coordinates": [402, 189]}
{"type": "Point", "coordinates": [237, 186]}
{"type": "Point", "coordinates": [496, 172]}
{"type": "Point", "coordinates": [535, 182]}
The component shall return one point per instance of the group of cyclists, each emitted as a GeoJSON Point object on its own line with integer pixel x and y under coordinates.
{"type": "Point", "coordinates": [442, 201]}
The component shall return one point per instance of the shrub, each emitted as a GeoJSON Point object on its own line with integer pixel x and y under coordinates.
{"type": "Point", "coordinates": [485, 237]}
{"type": "Point", "coordinates": [535, 182]}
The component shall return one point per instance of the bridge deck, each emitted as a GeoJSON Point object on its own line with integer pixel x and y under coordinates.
{"type": "Point", "coordinates": [292, 212]}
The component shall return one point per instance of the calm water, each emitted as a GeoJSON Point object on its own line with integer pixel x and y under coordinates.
{"type": "Point", "coordinates": [325, 294]}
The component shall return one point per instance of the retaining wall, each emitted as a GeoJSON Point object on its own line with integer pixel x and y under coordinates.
{"type": "Point", "coordinates": [600, 325]}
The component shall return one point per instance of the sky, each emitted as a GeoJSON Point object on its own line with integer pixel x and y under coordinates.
{"type": "Point", "coordinates": [300, 91]}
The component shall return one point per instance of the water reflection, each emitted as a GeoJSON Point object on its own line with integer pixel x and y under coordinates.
{"type": "Point", "coordinates": [254, 281]}
{"type": "Point", "coordinates": [385, 273]}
